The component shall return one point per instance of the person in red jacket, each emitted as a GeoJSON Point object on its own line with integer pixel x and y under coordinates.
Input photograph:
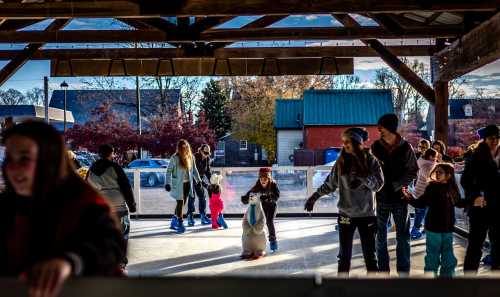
{"type": "Point", "coordinates": [53, 224]}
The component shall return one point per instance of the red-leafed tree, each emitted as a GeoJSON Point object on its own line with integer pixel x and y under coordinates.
{"type": "Point", "coordinates": [164, 132]}
{"type": "Point", "coordinates": [104, 127]}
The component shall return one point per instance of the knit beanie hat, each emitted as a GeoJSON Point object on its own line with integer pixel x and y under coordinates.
{"type": "Point", "coordinates": [490, 130]}
{"type": "Point", "coordinates": [389, 121]}
{"type": "Point", "coordinates": [359, 135]}
{"type": "Point", "coordinates": [265, 171]}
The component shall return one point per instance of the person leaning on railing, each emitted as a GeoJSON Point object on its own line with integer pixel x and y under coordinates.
{"type": "Point", "coordinates": [53, 224]}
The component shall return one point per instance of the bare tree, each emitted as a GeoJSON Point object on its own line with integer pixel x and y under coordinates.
{"type": "Point", "coordinates": [35, 96]}
{"type": "Point", "coordinates": [345, 82]}
{"type": "Point", "coordinates": [12, 97]}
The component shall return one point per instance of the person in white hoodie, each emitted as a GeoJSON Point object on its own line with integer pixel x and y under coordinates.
{"type": "Point", "coordinates": [425, 164]}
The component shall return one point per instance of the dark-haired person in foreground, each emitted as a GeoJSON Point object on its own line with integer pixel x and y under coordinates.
{"type": "Point", "coordinates": [53, 224]}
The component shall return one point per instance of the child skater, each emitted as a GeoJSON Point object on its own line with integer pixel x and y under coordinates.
{"type": "Point", "coordinates": [425, 163]}
{"type": "Point", "coordinates": [441, 197]}
{"type": "Point", "coordinates": [269, 193]}
{"type": "Point", "coordinates": [216, 203]}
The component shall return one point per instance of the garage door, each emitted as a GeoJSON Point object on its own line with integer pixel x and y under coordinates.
{"type": "Point", "coordinates": [288, 141]}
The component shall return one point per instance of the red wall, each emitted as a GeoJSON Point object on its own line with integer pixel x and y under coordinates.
{"type": "Point", "coordinates": [322, 137]}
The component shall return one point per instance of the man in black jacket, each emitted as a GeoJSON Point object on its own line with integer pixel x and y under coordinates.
{"type": "Point", "coordinates": [202, 158]}
{"type": "Point", "coordinates": [399, 164]}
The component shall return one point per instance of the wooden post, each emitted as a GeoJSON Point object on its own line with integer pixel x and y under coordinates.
{"type": "Point", "coordinates": [441, 111]}
{"type": "Point", "coordinates": [46, 98]}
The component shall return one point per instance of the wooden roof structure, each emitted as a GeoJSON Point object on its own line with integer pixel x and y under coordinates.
{"type": "Point", "coordinates": [465, 33]}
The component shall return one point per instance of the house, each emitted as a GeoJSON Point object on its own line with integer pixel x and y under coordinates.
{"type": "Point", "coordinates": [465, 112]}
{"type": "Point", "coordinates": [83, 102]}
{"type": "Point", "coordinates": [316, 121]}
{"type": "Point", "coordinates": [20, 113]}
{"type": "Point", "coordinates": [232, 152]}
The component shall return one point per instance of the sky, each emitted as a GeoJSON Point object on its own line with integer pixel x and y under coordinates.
{"type": "Point", "coordinates": [32, 73]}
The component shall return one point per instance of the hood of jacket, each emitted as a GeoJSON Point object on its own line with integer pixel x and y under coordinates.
{"type": "Point", "coordinates": [100, 166]}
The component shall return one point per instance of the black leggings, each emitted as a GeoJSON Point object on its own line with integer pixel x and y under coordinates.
{"type": "Point", "coordinates": [181, 203]}
{"type": "Point", "coordinates": [270, 209]}
{"type": "Point", "coordinates": [367, 228]}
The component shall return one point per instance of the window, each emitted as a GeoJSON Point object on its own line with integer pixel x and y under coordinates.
{"type": "Point", "coordinates": [468, 110]}
{"type": "Point", "coordinates": [243, 145]}
{"type": "Point", "coordinates": [220, 146]}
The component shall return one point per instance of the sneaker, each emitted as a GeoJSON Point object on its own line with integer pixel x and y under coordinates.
{"type": "Point", "coordinates": [274, 246]}
{"type": "Point", "coordinates": [180, 227]}
{"type": "Point", "coordinates": [173, 223]}
{"type": "Point", "coordinates": [415, 234]}
{"type": "Point", "coordinates": [221, 221]}
{"type": "Point", "coordinates": [190, 220]}
{"type": "Point", "coordinates": [204, 219]}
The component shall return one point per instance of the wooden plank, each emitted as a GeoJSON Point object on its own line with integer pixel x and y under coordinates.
{"type": "Point", "coordinates": [441, 112]}
{"type": "Point", "coordinates": [18, 61]}
{"type": "Point", "coordinates": [390, 59]}
{"type": "Point", "coordinates": [474, 50]}
{"type": "Point", "coordinates": [9, 25]}
{"type": "Point", "coordinates": [202, 67]}
{"type": "Point", "coordinates": [225, 35]}
{"type": "Point", "coordinates": [264, 21]}
{"type": "Point", "coordinates": [155, 8]}
{"type": "Point", "coordinates": [223, 53]}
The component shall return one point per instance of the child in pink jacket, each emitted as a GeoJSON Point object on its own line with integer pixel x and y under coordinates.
{"type": "Point", "coordinates": [425, 164]}
{"type": "Point", "coordinates": [216, 203]}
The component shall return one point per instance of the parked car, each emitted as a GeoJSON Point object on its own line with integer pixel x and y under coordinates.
{"type": "Point", "coordinates": [149, 179]}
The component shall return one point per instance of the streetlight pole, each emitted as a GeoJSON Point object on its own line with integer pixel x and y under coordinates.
{"type": "Point", "coordinates": [64, 86]}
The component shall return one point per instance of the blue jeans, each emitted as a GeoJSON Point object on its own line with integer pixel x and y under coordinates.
{"type": "Point", "coordinates": [419, 218]}
{"type": "Point", "coordinates": [402, 220]}
{"type": "Point", "coordinates": [439, 254]}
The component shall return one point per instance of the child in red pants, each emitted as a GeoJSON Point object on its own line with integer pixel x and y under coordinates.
{"type": "Point", "coordinates": [216, 203]}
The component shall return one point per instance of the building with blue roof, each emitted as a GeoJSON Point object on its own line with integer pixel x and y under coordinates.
{"type": "Point", "coordinates": [316, 121]}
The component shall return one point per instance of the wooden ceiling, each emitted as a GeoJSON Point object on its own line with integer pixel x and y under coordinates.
{"type": "Point", "coordinates": [196, 46]}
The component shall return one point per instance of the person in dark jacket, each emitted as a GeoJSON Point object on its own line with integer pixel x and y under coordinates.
{"type": "Point", "coordinates": [399, 164]}
{"type": "Point", "coordinates": [440, 147]}
{"type": "Point", "coordinates": [480, 181]}
{"type": "Point", "coordinates": [441, 196]}
{"type": "Point", "coordinates": [358, 176]}
{"type": "Point", "coordinates": [202, 161]}
{"type": "Point", "coordinates": [112, 182]}
{"type": "Point", "coordinates": [53, 224]}
{"type": "Point", "coordinates": [269, 195]}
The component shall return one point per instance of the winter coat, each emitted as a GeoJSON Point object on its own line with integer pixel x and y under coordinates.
{"type": "Point", "coordinates": [112, 182]}
{"type": "Point", "coordinates": [76, 224]}
{"type": "Point", "coordinates": [359, 201]}
{"type": "Point", "coordinates": [481, 177]}
{"type": "Point", "coordinates": [424, 169]}
{"type": "Point", "coordinates": [175, 177]}
{"type": "Point", "coordinates": [440, 217]}
{"type": "Point", "coordinates": [399, 165]}
{"type": "Point", "coordinates": [203, 165]}
{"type": "Point", "coordinates": [216, 203]}
{"type": "Point", "coordinates": [254, 237]}
{"type": "Point", "coordinates": [271, 194]}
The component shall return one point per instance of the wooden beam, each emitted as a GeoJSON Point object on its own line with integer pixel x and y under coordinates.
{"type": "Point", "coordinates": [11, 25]}
{"type": "Point", "coordinates": [223, 53]}
{"type": "Point", "coordinates": [264, 21]}
{"type": "Point", "coordinates": [387, 22]}
{"type": "Point", "coordinates": [209, 23]}
{"type": "Point", "coordinates": [224, 35]}
{"type": "Point", "coordinates": [395, 63]}
{"type": "Point", "coordinates": [441, 112]}
{"type": "Point", "coordinates": [202, 67]}
{"type": "Point", "coordinates": [19, 60]}
{"type": "Point", "coordinates": [156, 8]}
{"type": "Point", "coordinates": [474, 50]}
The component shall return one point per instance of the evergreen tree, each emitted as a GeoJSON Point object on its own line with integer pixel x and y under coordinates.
{"type": "Point", "coordinates": [214, 105]}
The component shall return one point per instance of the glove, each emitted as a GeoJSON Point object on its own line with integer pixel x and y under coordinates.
{"type": "Point", "coordinates": [354, 184]}
{"type": "Point", "coordinates": [244, 199]}
{"type": "Point", "coordinates": [310, 202]}
{"type": "Point", "coordinates": [167, 188]}
{"type": "Point", "coordinates": [132, 208]}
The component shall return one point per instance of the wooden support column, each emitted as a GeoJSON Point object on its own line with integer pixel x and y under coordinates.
{"type": "Point", "coordinates": [441, 111]}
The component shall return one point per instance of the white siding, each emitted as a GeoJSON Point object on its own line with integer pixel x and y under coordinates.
{"type": "Point", "coordinates": [287, 141]}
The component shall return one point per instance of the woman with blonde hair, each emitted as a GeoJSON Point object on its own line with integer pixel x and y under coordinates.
{"type": "Point", "coordinates": [181, 172]}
